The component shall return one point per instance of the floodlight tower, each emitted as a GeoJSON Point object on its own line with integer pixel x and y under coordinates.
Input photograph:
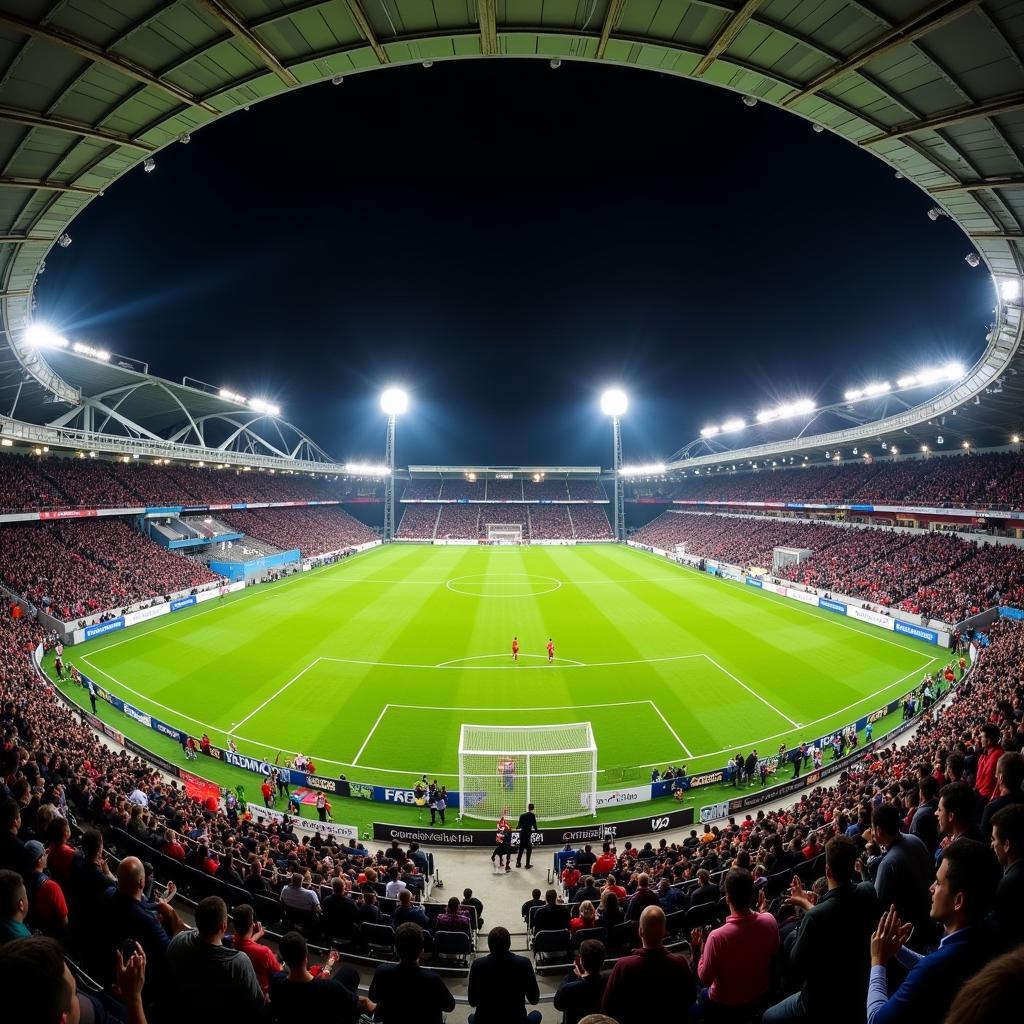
{"type": "Point", "coordinates": [393, 402]}
{"type": "Point", "coordinates": [614, 403]}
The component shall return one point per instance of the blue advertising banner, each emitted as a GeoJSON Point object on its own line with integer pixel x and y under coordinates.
{"type": "Point", "coordinates": [167, 510]}
{"type": "Point", "coordinates": [832, 606]}
{"type": "Point", "coordinates": [1011, 613]}
{"type": "Point", "coordinates": [918, 632]}
{"type": "Point", "coordinates": [383, 794]}
{"type": "Point", "coordinates": [102, 628]}
{"type": "Point", "coordinates": [752, 582]}
{"type": "Point", "coordinates": [183, 602]}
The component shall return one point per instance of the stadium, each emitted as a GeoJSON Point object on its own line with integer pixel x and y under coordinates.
{"type": "Point", "coordinates": [728, 731]}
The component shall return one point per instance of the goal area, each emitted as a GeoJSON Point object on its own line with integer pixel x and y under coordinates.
{"type": "Point", "coordinates": [510, 766]}
{"type": "Point", "coordinates": [783, 558]}
{"type": "Point", "coordinates": [505, 533]}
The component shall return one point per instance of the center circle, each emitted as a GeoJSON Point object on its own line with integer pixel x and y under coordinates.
{"type": "Point", "coordinates": [503, 584]}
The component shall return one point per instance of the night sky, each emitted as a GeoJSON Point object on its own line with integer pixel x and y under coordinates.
{"type": "Point", "coordinates": [505, 240]}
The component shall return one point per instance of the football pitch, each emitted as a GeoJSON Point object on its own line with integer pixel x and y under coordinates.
{"type": "Point", "coordinates": [370, 666]}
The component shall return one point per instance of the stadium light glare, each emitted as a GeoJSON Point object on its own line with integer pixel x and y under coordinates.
{"type": "Point", "coordinates": [800, 407]}
{"type": "Point", "coordinates": [394, 401]}
{"type": "Point", "coordinates": [233, 396]}
{"type": "Point", "coordinates": [894, 449]}
{"type": "Point", "coordinates": [93, 353]}
{"type": "Point", "coordinates": [614, 402]}
{"type": "Point", "coordinates": [366, 469]}
{"type": "Point", "coordinates": [7, 443]}
{"type": "Point", "coordinates": [42, 335]}
{"type": "Point", "coordinates": [259, 405]}
{"type": "Point", "coordinates": [1015, 439]}
{"type": "Point", "coordinates": [1009, 289]}
{"type": "Point", "coordinates": [736, 423]}
{"type": "Point", "coordinates": [643, 469]}
{"type": "Point", "coordinates": [709, 431]}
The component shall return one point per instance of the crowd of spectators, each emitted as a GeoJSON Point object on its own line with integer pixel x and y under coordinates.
{"type": "Point", "coordinates": [458, 522]}
{"type": "Point", "coordinates": [418, 522]}
{"type": "Point", "coordinates": [314, 531]}
{"type": "Point", "coordinates": [936, 575]}
{"type": "Point", "coordinates": [74, 568]}
{"type": "Point", "coordinates": [993, 480]}
{"type": "Point", "coordinates": [29, 482]}
{"type": "Point", "coordinates": [898, 882]}
{"type": "Point", "coordinates": [552, 522]}
{"type": "Point", "coordinates": [590, 522]}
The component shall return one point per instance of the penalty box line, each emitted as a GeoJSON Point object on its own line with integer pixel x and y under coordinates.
{"type": "Point", "coordinates": [559, 707]}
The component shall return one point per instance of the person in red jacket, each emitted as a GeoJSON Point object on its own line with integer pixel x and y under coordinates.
{"type": "Point", "coordinates": [606, 862]}
{"type": "Point", "coordinates": [268, 793]}
{"type": "Point", "coordinates": [985, 776]}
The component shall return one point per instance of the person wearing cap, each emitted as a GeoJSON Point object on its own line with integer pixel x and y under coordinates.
{"type": "Point", "coordinates": [47, 908]}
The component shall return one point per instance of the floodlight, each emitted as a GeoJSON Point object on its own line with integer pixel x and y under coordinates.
{"type": "Point", "coordinates": [337, 79]}
{"type": "Point", "coordinates": [149, 165]}
{"type": "Point", "coordinates": [709, 431]}
{"type": "Point", "coordinates": [936, 212]}
{"type": "Point", "coordinates": [614, 402]}
{"type": "Point", "coordinates": [750, 101]}
{"type": "Point", "coordinates": [1015, 439]}
{"type": "Point", "coordinates": [185, 138]}
{"type": "Point", "coordinates": [967, 445]}
{"type": "Point", "coordinates": [733, 424]}
{"type": "Point", "coordinates": [924, 448]}
{"type": "Point", "coordinates": [973, 259]}
{"type": "Point", "coordinates": [394, 401]}
{"type": "Point", "coordinates": [1009, 289]}
{"type": "Point", "coordinates": [953, 371]}
{"type": "Point", "coordinates": [894, 450]}
{"type": "Point", "coordinates": [65, 239]}
{"type": "Point", "coordinates": [42, 335]}
{"type": "Point", "coordinates": [556, 63]}
{"type": "Point", "coordinates": [818, 128]}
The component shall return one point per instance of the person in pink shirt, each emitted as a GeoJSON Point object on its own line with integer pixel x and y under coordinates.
{"type": "Point", "coordinates": [735, 963]}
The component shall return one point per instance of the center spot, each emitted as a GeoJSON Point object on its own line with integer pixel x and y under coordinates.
{"type": "Point", "coordinates": [503, 584]}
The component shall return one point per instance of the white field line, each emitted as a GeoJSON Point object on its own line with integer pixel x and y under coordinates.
{"type": "Point", "coordinates": [274, 695]}
{"type": "Point", "coordinates": [455, 662]}
{"type": "Point", "coordinates": [753, 693]}
{"type": "Point", "coordinates": [675, 735]}
{"type": "Point", "coordinates": [369, 735]}
{"type": "Point", "coordinates": [566, 663]}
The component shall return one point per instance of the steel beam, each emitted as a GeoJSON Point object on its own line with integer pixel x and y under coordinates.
{"type": "Point", "coordinates": [611, 16]}
{"type": "Point", "coordinates": [1000, 105]}
{"type": "Point", "coordinates": [237, 27]}
{"type": "Point", "coordinates": [61, 124]}
{"type": "Point", "coordinates": [726, 36]}
{"type": "Point", "coordinates": [366, 29]}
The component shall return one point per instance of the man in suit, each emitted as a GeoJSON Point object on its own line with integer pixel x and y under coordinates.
{"type": "Point", "coordinates": [501, 983]}
{"type": "Point", "coordinates": [552, 916]}
{"type": "Point", "coordinates": [1008, 845]}
{"type": "Point", "coordinates": [962, 894]}
{"type": "Point", "coordinates": [527, 825]}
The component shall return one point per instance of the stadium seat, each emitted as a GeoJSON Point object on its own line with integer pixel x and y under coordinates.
{"type": "Point", "coordinates": [624, 938]}
{"type": "Point", "coordinates": [453, 946]}
{"type": "Point", "coordinates": [554, 945]}
{"type": "Point", "coordinates": [702, 915]}
{"type": "Point", "coordinates": [379, 939]}
{"type": "Point", "coordinates": [582, 934]}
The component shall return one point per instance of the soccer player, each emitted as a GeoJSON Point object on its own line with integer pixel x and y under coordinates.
{"type": "Point", "coordinates": [515, 648]}
{"type": "Point", "coordinates": [551, 650]}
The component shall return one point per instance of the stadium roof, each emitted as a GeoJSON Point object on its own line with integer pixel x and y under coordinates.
{"type": "Point", "coordinates": [88, 91]}
{"type": "Point", "coordinates": [496, 471]}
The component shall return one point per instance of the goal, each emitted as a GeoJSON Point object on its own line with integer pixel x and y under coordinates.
{"type": "Point", "coordinates": [552, 766]}
{"type": "Point", "coordinates": [783, 558]}
{"type": "Point", "coordinates": [505, 533]}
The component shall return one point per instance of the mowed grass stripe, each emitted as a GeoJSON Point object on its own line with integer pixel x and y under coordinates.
{"type": "Point", "coordinates": [617, 605]}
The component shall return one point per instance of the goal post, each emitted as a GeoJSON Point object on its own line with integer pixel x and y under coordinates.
{"type": "Point", "coordinates": [505, 533]}
{"type": "Point", "coordinates": [783, 558]}
{"type": "Point", "coordinates": [552, 766]}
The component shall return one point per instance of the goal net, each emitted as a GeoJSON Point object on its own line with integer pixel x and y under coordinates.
{"type": "Point", "coordinates": [505, 533]}
{"type": "Point", "coordinates": [783, 558]}
{"type": "Point", "coordinates": [552, 766]}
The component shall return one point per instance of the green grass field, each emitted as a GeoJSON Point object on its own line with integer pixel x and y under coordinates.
{"type": "Point", "coordinates": [371, 666]}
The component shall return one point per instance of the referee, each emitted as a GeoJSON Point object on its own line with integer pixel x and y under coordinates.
{"type": "Point", "coordinates": [527, 824]}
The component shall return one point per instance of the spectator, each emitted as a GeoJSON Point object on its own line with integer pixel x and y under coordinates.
{"type": "Point", "coordinates": [829, 950]}
{"type": "Point", "coordinates": [925, 824]}
{"type": "Point", "coordinates": [642, 985]}
{"type": "Point", "coordinates": [643, 898]}
{"type": "Point", "coordinates": [533, 901]}
{"type": "Point", "coordinates": [587, 918]}
{"type": "Point", "coordinates": [340, 911]}
{"type": "Point", "coordinates": [581, 992]}
{"type": "Point", "coordinates": [606, 862]}
{"type": "Point", "coordinates": [469, 900]}
{"type": "Point", "coordinates": [394, 884]}
{"type": "Point", "coordinates": [295, 897]}
{"type": "Point", "coordinates": [501, 983]}
{"type": "Point", "coordinates": [12, 849]}
{"type": "Point", "coordinates": [985, 775]}
{"type": "Point", "coordinates": [706, 891]}
{"type": "Point", "coordinates": [962, 895]}
{"type": "Point", "coordinates": [1009, 788]}
{"type": "Point", "coordinates": [47, 908]}
{"type": "Point", "coordinates": [247, 934]}
{"type": "Point", "coordinates": [957, 814]}
{"type": "Point", "coordinates": [299, 997]}
{"type": "Point", "coordinates": [408, 912]}
{"type": "Point", "coordinates": [1008, 846]}
{"type": "Point", "coordinates": [903, 875]}
{"type": "Point", "coordinates": [735, 964]}
{"type": "Point", "coordinates": [454, 919]}
{"type": "Point", "coordinates": [552, 916]}
{"type": "Point", "coordinates": [13, 907]}
{"type": "Point", "coordinates": [406, 993]}
{"type": "Point", "coordinates": [206, 973]}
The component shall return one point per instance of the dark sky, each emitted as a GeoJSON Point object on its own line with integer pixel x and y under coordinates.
{"type": "Point", "coordinates": [505, 240]}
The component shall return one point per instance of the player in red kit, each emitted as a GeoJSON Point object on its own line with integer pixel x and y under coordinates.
{"type": "Point", "coordinates": [551, 650]}
{"type": "Point", "coordinates": [515, 648]}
